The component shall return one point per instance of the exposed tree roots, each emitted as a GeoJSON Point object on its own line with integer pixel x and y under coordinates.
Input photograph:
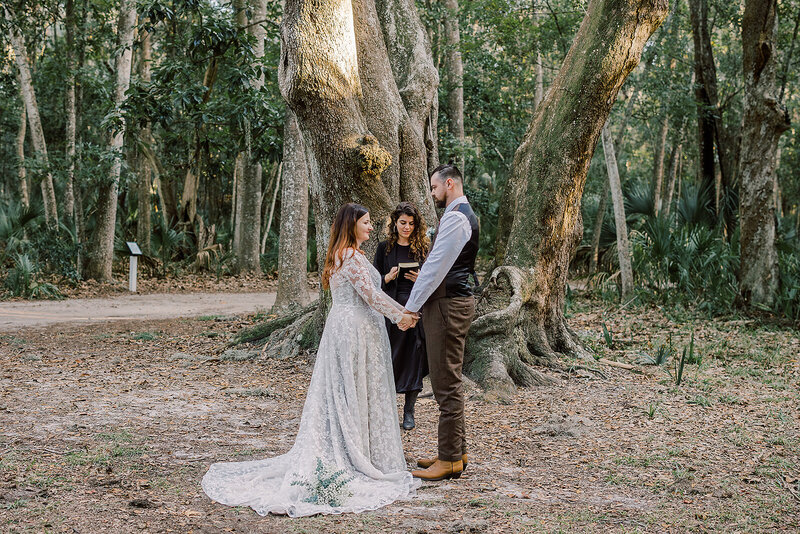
{"type": "Point", "coordinates": [292, 331]}
{"type": "Point", "coordinates": [512, 334]}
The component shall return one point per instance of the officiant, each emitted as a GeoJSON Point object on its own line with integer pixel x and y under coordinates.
{"type": "Point", "coordinates": [398, 259]}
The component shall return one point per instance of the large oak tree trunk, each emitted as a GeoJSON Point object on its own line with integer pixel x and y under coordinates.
{"type": "Point", "coordinates": [521, 311]}
{"type": "Point", "coordinates": [359, 77]}
{"type": "Point", "coordinates": [100, 261]}
{"type": "Point", "coordinates": [319, 78]}
{"type": "Point", "coordinates": [35, 122]}
{"type": "Point", "coordinates": [292, 249]}
{"type": "Point", "coordinates": [399, 86]}
{"type": "Point", "coordinates": [763, 122]}
{"type": "Point", "coordinates": [361, 143]}
{"type": "Point", "coordinates": [409, 48]}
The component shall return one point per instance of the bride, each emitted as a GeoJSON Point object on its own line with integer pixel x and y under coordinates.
{"type": "Point", "coordinates": [347, 456]}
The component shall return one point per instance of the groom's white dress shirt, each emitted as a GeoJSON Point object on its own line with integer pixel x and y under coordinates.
{"type": "Point", "coordinates": [454, 232]}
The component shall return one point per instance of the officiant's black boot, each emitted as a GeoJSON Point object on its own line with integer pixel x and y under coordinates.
{"type": "Point", "coordinates": [408, 410]}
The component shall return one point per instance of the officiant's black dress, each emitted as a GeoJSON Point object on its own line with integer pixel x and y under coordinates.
{"type": "Point", "coordinates": [409, 357]}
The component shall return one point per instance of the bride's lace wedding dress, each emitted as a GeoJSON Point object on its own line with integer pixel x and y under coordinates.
{"type": "Point", "coordinates": [348, 455]}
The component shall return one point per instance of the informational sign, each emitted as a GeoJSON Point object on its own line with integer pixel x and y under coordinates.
{"type": "Point", "coordinates": [134, 248]}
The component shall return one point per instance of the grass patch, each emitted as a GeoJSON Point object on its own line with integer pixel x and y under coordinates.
{"type": "Point", "coordinates": [699, 400]}
{"type": "Point", "coordinates": [145, 336]}
{"type": "Point", "coordinates": [119, 436]}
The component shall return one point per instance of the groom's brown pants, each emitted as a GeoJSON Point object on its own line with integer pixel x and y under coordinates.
{"type": "Point", "coordinates": [446, 321]}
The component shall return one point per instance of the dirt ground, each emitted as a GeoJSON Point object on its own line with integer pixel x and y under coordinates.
{"type": "Point", "coordinates": [108, 428]}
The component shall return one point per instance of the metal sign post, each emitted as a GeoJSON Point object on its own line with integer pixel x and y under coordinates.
{"type": "Point", "coordinates": [134, 265]}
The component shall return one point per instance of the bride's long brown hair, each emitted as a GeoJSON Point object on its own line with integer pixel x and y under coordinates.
{"type": "Point", "coordinates": [343, 236]}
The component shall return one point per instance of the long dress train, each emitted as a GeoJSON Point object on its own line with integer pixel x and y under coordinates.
{"type": "Point", "coordinates": [348, 455]}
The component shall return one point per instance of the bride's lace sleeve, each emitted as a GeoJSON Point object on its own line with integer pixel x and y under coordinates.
{"type": "Point", "coordinates": [355, 270]}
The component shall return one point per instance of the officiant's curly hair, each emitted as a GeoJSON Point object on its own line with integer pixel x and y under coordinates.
{"type": "Point", "coordinates": [343, 236]}
{"type": "Point", "coordinates": [418, 241]}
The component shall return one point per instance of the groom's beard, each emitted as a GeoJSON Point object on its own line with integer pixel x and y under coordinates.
{"type": "Point", "coordinates": [439, 203]}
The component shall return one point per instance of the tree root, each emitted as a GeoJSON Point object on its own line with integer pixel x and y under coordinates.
{"type": "Point", "coordinates": [293, 331]}
{"type": "Point", "coordinates": [498, 353]}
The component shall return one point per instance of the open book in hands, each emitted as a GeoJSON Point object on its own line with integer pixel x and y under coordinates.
{"type": "Point", "coordinates": [406, 267]}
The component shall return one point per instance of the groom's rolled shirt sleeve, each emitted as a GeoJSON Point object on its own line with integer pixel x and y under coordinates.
{"type": "Point", "coordinates": [454, 232]}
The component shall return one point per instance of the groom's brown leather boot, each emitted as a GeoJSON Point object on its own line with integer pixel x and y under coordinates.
{"type": "Point", "coordinates": [427, 462]}
{"type": "Point", "coordinates": [440, 470]}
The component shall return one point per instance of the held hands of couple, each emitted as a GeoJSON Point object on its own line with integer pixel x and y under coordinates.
{"type": "Point", "coordinates": [409, 320]}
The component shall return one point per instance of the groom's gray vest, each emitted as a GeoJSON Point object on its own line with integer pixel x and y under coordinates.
{"type": "Point", "coordinates": [456, 282]}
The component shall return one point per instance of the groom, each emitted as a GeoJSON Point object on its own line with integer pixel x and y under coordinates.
{"type": "Point", "coordinates": [443, 292]}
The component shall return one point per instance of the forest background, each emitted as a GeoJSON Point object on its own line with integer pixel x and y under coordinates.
{"type": "Point", "coordinates": [151, 128]}
{"type": "Point", "coordinates": [634, 164]}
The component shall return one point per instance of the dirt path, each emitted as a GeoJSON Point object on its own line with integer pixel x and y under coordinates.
{"type": "Point", "coordinates": [17, 315]}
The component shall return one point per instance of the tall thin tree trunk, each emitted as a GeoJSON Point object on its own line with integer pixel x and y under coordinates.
{"type": "Point", "coordinates": [22, 175]}
{"type": "Point", "coordinates": [673, 173]}
{"type": "Point", "coordinates": [705, 89]}
{"type": "Point", "coordinates": [194, 171]}
{"type": "Point", "coordinates": [521, 311]}
{"type": "Point", "coordinates": [248, 218]}
{"type": "Point", "coordinates": [711, 128]}
{"type": "Point", "coordinates": [102, 257]}
{"type": "Point", "coordinates": [144, 225]}
{"type": "Point", "coordinates": [34, 121]}
{"type": "Point", "coordinates": [603, 204]}
{"type": "Point", "coordinates": [271, 213]}
{"type": "Point", "coordinates": [623, 247]}
{"type": "Point", "coordinates": [658, 163]}
{"type": "Point", "coordinates": [72, 118]}
{"type": "Point", "coordinates": [763, 122]}
{"type": "Point", "coordinates": [455, 76]}
{"type": "Point", "coordinates": [236, 201]}
{"type": "Point", "coordinates": [788, 59]}
{"type": "Point", "coordinates": [292, 247]}
{"type": "Point", "coordinates": [539, 71]}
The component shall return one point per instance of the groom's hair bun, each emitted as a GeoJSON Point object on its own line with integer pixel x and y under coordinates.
{"type": "Point", "coordinates": [448, 170]}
